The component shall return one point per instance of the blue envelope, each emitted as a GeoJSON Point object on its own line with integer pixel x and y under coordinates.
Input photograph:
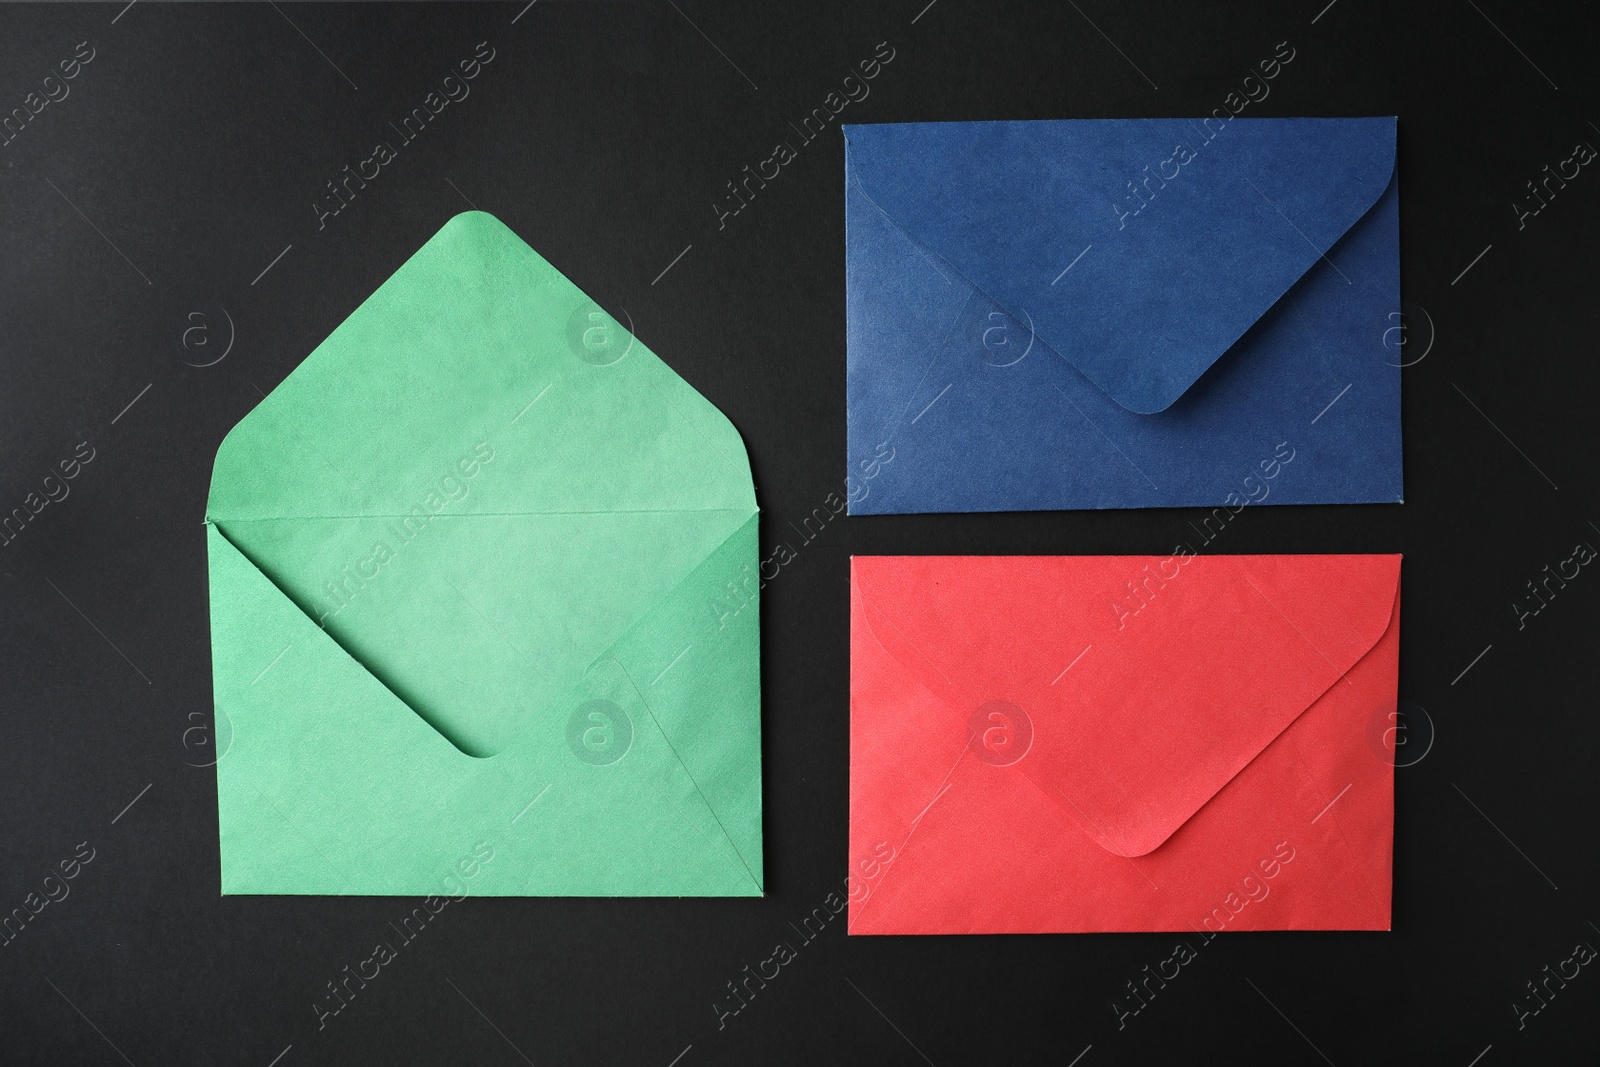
{"type": "Point", "coordinates": [1122, 313]}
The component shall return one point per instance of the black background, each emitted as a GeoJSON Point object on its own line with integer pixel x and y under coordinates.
{"type": "Point", "coordinates": [196, 141]}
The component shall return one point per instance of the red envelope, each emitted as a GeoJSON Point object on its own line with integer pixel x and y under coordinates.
{"type": "Point", "coordinates": [1077, 744]}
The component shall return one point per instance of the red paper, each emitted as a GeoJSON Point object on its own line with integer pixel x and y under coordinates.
{"type": "Point", "coordinates": [1122, 743]}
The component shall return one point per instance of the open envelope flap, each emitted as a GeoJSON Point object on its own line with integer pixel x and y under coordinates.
{"type": "Point", "coordinates": [1159, 706]}
{"type": "Point", "coordinates": [477, 343]}
{"type": "Point", "coordinates": [1180, 233]}
{"type": "Point", "coordinates": [479, 482]}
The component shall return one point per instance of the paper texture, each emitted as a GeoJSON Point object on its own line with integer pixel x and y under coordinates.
{"type": "Point", "coordinates": [1112, 743]}
{"type": "Point", "coordinates": [482, 577]}
{"type": "Point", "coordinates": [1122, 313]}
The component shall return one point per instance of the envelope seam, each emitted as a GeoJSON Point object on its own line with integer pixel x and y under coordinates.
{"type": "Point", "coordinates": [351, 656]}
{"type": "Point", "coordinates": [687, 773]}
{"type": "Point", "coordinates": [608, 654]}
{"type": "Point", "coordinates": [214, 519]}
{"type": "Point", "coordinates": [873, 630]}
{"type": "Point", "coordinates": [926, 252]}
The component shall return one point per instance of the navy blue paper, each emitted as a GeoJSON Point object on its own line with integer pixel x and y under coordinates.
{"type": "Point", "coordinates": [1122, 313]}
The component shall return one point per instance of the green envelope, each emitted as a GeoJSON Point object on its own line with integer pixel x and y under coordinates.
{"type": "Point", "coordinates": [484, 609]}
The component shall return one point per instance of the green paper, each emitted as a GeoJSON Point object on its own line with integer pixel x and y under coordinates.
{"type": "Point", "coordinates": [484, 606]}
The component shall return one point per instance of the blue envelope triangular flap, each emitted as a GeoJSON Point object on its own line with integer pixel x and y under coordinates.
{"type": "Point", "coordinates": [1188, 233]}
{"type": "Point", "coordinates": [989, 372]}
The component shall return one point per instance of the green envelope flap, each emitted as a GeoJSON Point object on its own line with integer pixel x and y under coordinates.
{"type": "Point", "coordinates": [476, 494]}
{"type": "Point", "coordinates": [475, 344]}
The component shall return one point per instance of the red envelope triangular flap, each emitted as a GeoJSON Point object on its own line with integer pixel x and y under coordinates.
{"type": "Point", "coordinates": [1248, 648]}
{"type": "Point", "coordinates": [1138, 270]}
{"type": "Point", "coordinates": [1164, 703]}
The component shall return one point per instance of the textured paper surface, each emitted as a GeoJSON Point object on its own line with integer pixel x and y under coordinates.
{"type": "Point", "coordinates": [1037, 319]}
{"type": "Point", "coordinates": [1035, 759]}
{"type": "Point", "coordinates": [482, 575]}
